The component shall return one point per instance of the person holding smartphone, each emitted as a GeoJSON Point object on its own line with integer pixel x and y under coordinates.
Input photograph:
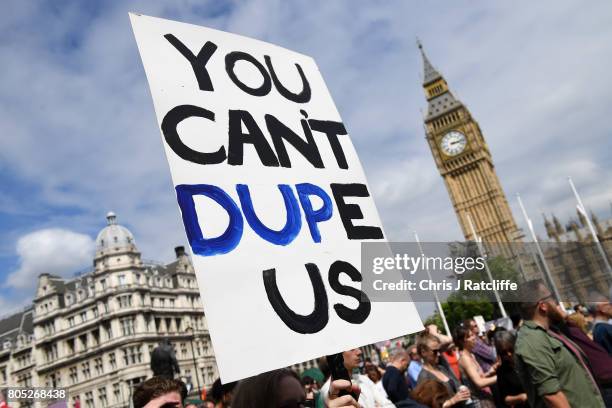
{"type": "Point", "coordinates": [342, 367]}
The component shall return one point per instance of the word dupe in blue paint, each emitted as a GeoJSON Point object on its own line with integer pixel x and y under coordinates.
{"type": "Point", "coordinates": [230, 238]}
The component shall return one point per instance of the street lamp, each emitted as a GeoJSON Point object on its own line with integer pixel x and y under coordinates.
{"type": "Point", "coordinates": [195, 367]}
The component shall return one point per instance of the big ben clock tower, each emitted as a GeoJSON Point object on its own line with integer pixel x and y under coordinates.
{"type": "Point", "coordinates": [465, 163]}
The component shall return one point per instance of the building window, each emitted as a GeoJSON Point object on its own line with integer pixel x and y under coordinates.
{"type": "Point", "coordinates": [85, 370]}
{"type": "Point", "coordinates": [74, 375]}
{"type": "Point", "coordinates": [183, 350]}
{"type": "Point", "coordinates": [49, 328]}
{"type": "Point", "coordinates": [54, 381]}
{"type": "Point", "coordinates": [83, 342]}
{"type": "Point", "coordinates": [89, 401]}
{"type": "Point", "coordinates": [95, 311]}
{"type": "Point", "coordinates": [122, 280]}
{"type": "Point", "coordinates": [83, 316]}
{"type": "Point", "coordinates": [125, 301]}
{"type": "Point", "coordinates": [70, 346]}
{"type": "Point", "coordinates": [112, 361]}
{"type": "Point", "coordinates": [211, 374]}
{"type": "Point", "coordinates": [26, 380]}
{"type": "Point", "coordinates": [109, 330]}
{"type": "Point", "coordinates": [95, 337]}
{"type": "Point", "coordinates": [71, 321]}
{"type": "Point", "coordinates": [127, 326]}
{"type": "Point", "coordinates": [103, 284]}
{"type": "Point", "coordinates": [102, 396]}
{"type": "Point", "coordinates": [132, 355]}
{"type": "Point", "coordinates": [117, 393]}
{"type": "Point", "coordinates": [98, 366]}
{"type": "Point", "coordinates": [51, 352]}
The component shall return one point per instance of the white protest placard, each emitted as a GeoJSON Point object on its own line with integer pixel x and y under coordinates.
{"type": "Point", "coordinates": [272, 195]}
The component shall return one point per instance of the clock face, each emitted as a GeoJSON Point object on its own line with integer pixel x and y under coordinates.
{"type": "Point", "coordinates": [453, 143]}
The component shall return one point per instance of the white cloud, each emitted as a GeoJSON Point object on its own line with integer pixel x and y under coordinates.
{"type": "Point", "coordinates": [54, 251]}
{"type": "Point", "coordinates": [74, 99]}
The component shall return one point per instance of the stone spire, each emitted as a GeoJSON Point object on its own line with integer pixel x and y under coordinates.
{"type": "Point", "coordinates": [430, 74]}
{"type": "Point", "coordinates": [558, 226]}
{"type": "Point", "coordinates": [597, 225]}
{"type": "Point", "coordinates": [550, 229]}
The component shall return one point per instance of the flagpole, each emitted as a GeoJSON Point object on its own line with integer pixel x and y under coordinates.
{"type": "Point", "coordinates": [438, 304]}
{"type": "Point", "coordinates": [486, 264]}
{"type": "Point", "coordinates": [549, 277]}
{"type": "Point", "coordinates": [582, 209]}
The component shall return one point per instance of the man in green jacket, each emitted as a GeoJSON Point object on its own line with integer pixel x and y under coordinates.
{"type": "Point", "coordinates": [554, 370]}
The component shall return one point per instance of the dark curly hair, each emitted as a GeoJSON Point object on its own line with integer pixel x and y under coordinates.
{"type": "Point", "coordinates": [156, 387]}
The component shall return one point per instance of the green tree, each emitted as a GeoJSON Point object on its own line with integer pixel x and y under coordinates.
{"type": "Point", "coordinates": [466, 304]}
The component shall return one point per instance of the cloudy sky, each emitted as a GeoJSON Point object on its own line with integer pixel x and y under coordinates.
{"type": "Point", "coordinates": [79, 137]}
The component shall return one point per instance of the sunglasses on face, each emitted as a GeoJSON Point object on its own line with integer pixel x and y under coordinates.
{"type": "Point", "coordinates": [435, 350]}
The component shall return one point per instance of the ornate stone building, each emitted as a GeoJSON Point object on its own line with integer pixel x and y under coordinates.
{"type": "Point", "coordinates": [93, 334]}
{"type": "Point", "coordinates": [465, 162]}
{"type": "Point", "coordinates": [576, 264]}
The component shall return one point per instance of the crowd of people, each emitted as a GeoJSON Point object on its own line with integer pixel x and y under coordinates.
{"type": "Point", "coordinates": [552, 359]}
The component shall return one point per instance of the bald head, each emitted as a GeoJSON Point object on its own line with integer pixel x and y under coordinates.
{"type": "Point", "coordinates": [400, 359]}
{"type": "Point", "coordinates": [398, 355]}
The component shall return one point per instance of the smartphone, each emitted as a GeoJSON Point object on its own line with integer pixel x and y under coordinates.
{"type": "Point", "coordinates": [339, 372]}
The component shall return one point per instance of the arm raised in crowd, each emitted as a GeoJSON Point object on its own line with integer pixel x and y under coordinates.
{"type": "Point", "coordinates": [445, 341]}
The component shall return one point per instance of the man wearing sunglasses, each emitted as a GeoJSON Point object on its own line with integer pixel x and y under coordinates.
{"type": "Point", "coordinates": [552, 368]}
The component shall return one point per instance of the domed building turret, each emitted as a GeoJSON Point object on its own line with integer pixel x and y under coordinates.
{"type": "Point", "coordinates": [113, 234]}
{"type": "Point", "coordinates": [115, 246]}
{"type": "Point", "coordinates": [94, 332]}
